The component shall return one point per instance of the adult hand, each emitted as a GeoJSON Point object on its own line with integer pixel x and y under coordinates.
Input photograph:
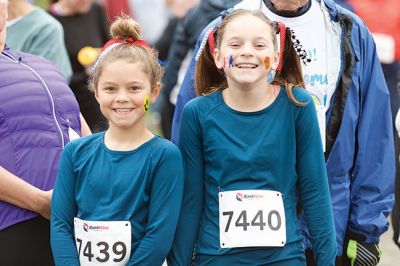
{"type": "Point", "coordinates": [361, 254]}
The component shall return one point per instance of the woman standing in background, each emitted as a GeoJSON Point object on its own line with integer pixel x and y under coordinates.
{"type": "Point", "coordinates": [85, 26]}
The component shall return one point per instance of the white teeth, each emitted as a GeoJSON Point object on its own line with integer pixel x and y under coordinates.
{"type": "Point", "coordinates": [246, 65]}
{"type": "Point", "coordinates": [123, 110]}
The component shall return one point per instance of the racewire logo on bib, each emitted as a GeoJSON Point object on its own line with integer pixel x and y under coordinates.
{"type": "Point", "coordinates": [240, 196]}
{"type": "Point", "coordinates": [87, 227]}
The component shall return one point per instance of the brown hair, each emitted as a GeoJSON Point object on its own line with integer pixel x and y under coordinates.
{"type": "Point", "coordinates": [124, 28]}
{"type": "Point", "coordinates": [209, 78]}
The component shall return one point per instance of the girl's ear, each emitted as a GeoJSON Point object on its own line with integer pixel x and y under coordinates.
{"type": "Point", "coordinates": [217, 59]}
{"type": "Point", "coordinates": [155, 92]}
{"type": "Point", "coordinates": [96, 94]}
{"type": "Point", "coordinates": [275, 61]}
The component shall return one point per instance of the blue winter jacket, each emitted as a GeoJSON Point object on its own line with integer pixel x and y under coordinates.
{"type": "Point", "coordinates": [359, 139]}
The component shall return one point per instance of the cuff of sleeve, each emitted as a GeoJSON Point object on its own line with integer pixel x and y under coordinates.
{"type": "Point", "coordinates": [362, 238]}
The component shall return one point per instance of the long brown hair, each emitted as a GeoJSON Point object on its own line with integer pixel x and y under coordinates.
{"type": "Point", "coordinates": [209, 78]}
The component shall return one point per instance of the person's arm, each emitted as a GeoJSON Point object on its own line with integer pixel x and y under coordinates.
{"type": "Point", "coordinates": [187, 90]}
{"type": "Point", "coordinates": [186, 93]}
{"type": "Point", "coordinates": [20, 193]}
{"type": "Point", "coordinates": [372, 178]}
{"type": "Point", "coordinates": [64, 210]}
{"type": "Point", "coordinates": [3, 15]}
{"type": "Point", "coordinates": [164, 206]}
{"type": "Point", "coordinates": [50, 44]}
{"type": "Point", "coordinates": [313, 185]}
{"type": "Point", "coordinates": [85, 130]}
{"type": "Point", "coordinates": [192, 204]}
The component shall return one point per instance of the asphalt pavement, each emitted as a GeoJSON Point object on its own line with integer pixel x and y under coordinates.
{"type": "Point", "coordinates": [390, 252]}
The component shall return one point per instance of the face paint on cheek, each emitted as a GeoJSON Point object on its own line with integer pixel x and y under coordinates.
{"type": "Point", "coordinates": [146, 103]}
{"type": "Point", "coordinates": [267, 62]}
{"type": "Point", "coordinates": [230, 61]}
{"type": "Point", "coordinates": [271, 76]}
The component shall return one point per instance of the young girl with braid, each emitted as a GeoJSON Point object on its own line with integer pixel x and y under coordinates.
{"type": "Point", "coordinates": [118, 193]}
{"type": "Point", "coordinates": [252, 153]}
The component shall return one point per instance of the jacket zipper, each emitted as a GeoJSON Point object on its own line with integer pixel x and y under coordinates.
{"type": "Point", "coordinates": [53, 109]}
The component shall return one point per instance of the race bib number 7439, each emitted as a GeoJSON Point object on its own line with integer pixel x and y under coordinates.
{"type": "Point", "coordinates": [103, 242]}
{"type": "Point", "coordinates": [251, 218]}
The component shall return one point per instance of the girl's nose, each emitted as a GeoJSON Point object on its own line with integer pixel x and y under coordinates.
{"type": "Point", "coordinates": [121, 96]}
{"type": "Point", "coordinates": [247, 50]}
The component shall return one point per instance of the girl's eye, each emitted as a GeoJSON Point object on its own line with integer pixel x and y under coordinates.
{"type": "Point", "coordinates": [234, 45]}
{"type": "Point", "coordinates": [260, 45]}
{"type": "Point", "coordinates": [134, 88]}
{"type": "Point", "coordinates": [109, 89]}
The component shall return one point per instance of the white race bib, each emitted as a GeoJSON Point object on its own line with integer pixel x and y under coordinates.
{"type": "Point", "coordinates": [251, 218]}
{"type": "Point", "coordinates": [103, 242]}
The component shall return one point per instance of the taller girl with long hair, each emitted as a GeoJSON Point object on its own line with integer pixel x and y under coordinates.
{"type": "Point", "coordinates": [252, 153]}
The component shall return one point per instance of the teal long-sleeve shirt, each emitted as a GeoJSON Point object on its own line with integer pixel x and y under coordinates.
{"type": "Point", "coordinates": [143, 186]}
{"type": "Point", "coordinates": [278, 148]}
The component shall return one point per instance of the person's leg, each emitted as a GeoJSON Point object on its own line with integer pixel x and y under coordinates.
{"type": "Point", "coordinates": [396, 208]}
{"type": "Point", "coordinates": [205, 260]}
{"type": "Point", "coordinates": [309, 257]}
{"type": "Point", "coordinates": [26, 243]}
{"type": "Point", "coordinates": [290, 255]}
{"type": "Point", "coordinates": [166, 120]}
{"type": "Point", "coordinates": [392, 76]}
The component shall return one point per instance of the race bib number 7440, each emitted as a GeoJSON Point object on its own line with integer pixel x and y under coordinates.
{"type": "Point", "coordinates": [103, 242]}
{"type": "Point", "coordinates": [251, 218]}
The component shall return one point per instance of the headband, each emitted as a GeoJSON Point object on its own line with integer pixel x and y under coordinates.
{"type": "Point", "coordinates": [128, 40]}
{"type": "Point", "coordinates": [115, 42]}
{"type": "Point", "coordinates": [204, 43]}
{"type": "Point", "coordinates": [211, 41]}
{"type": "Point", "coordinates": [281, 29]}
